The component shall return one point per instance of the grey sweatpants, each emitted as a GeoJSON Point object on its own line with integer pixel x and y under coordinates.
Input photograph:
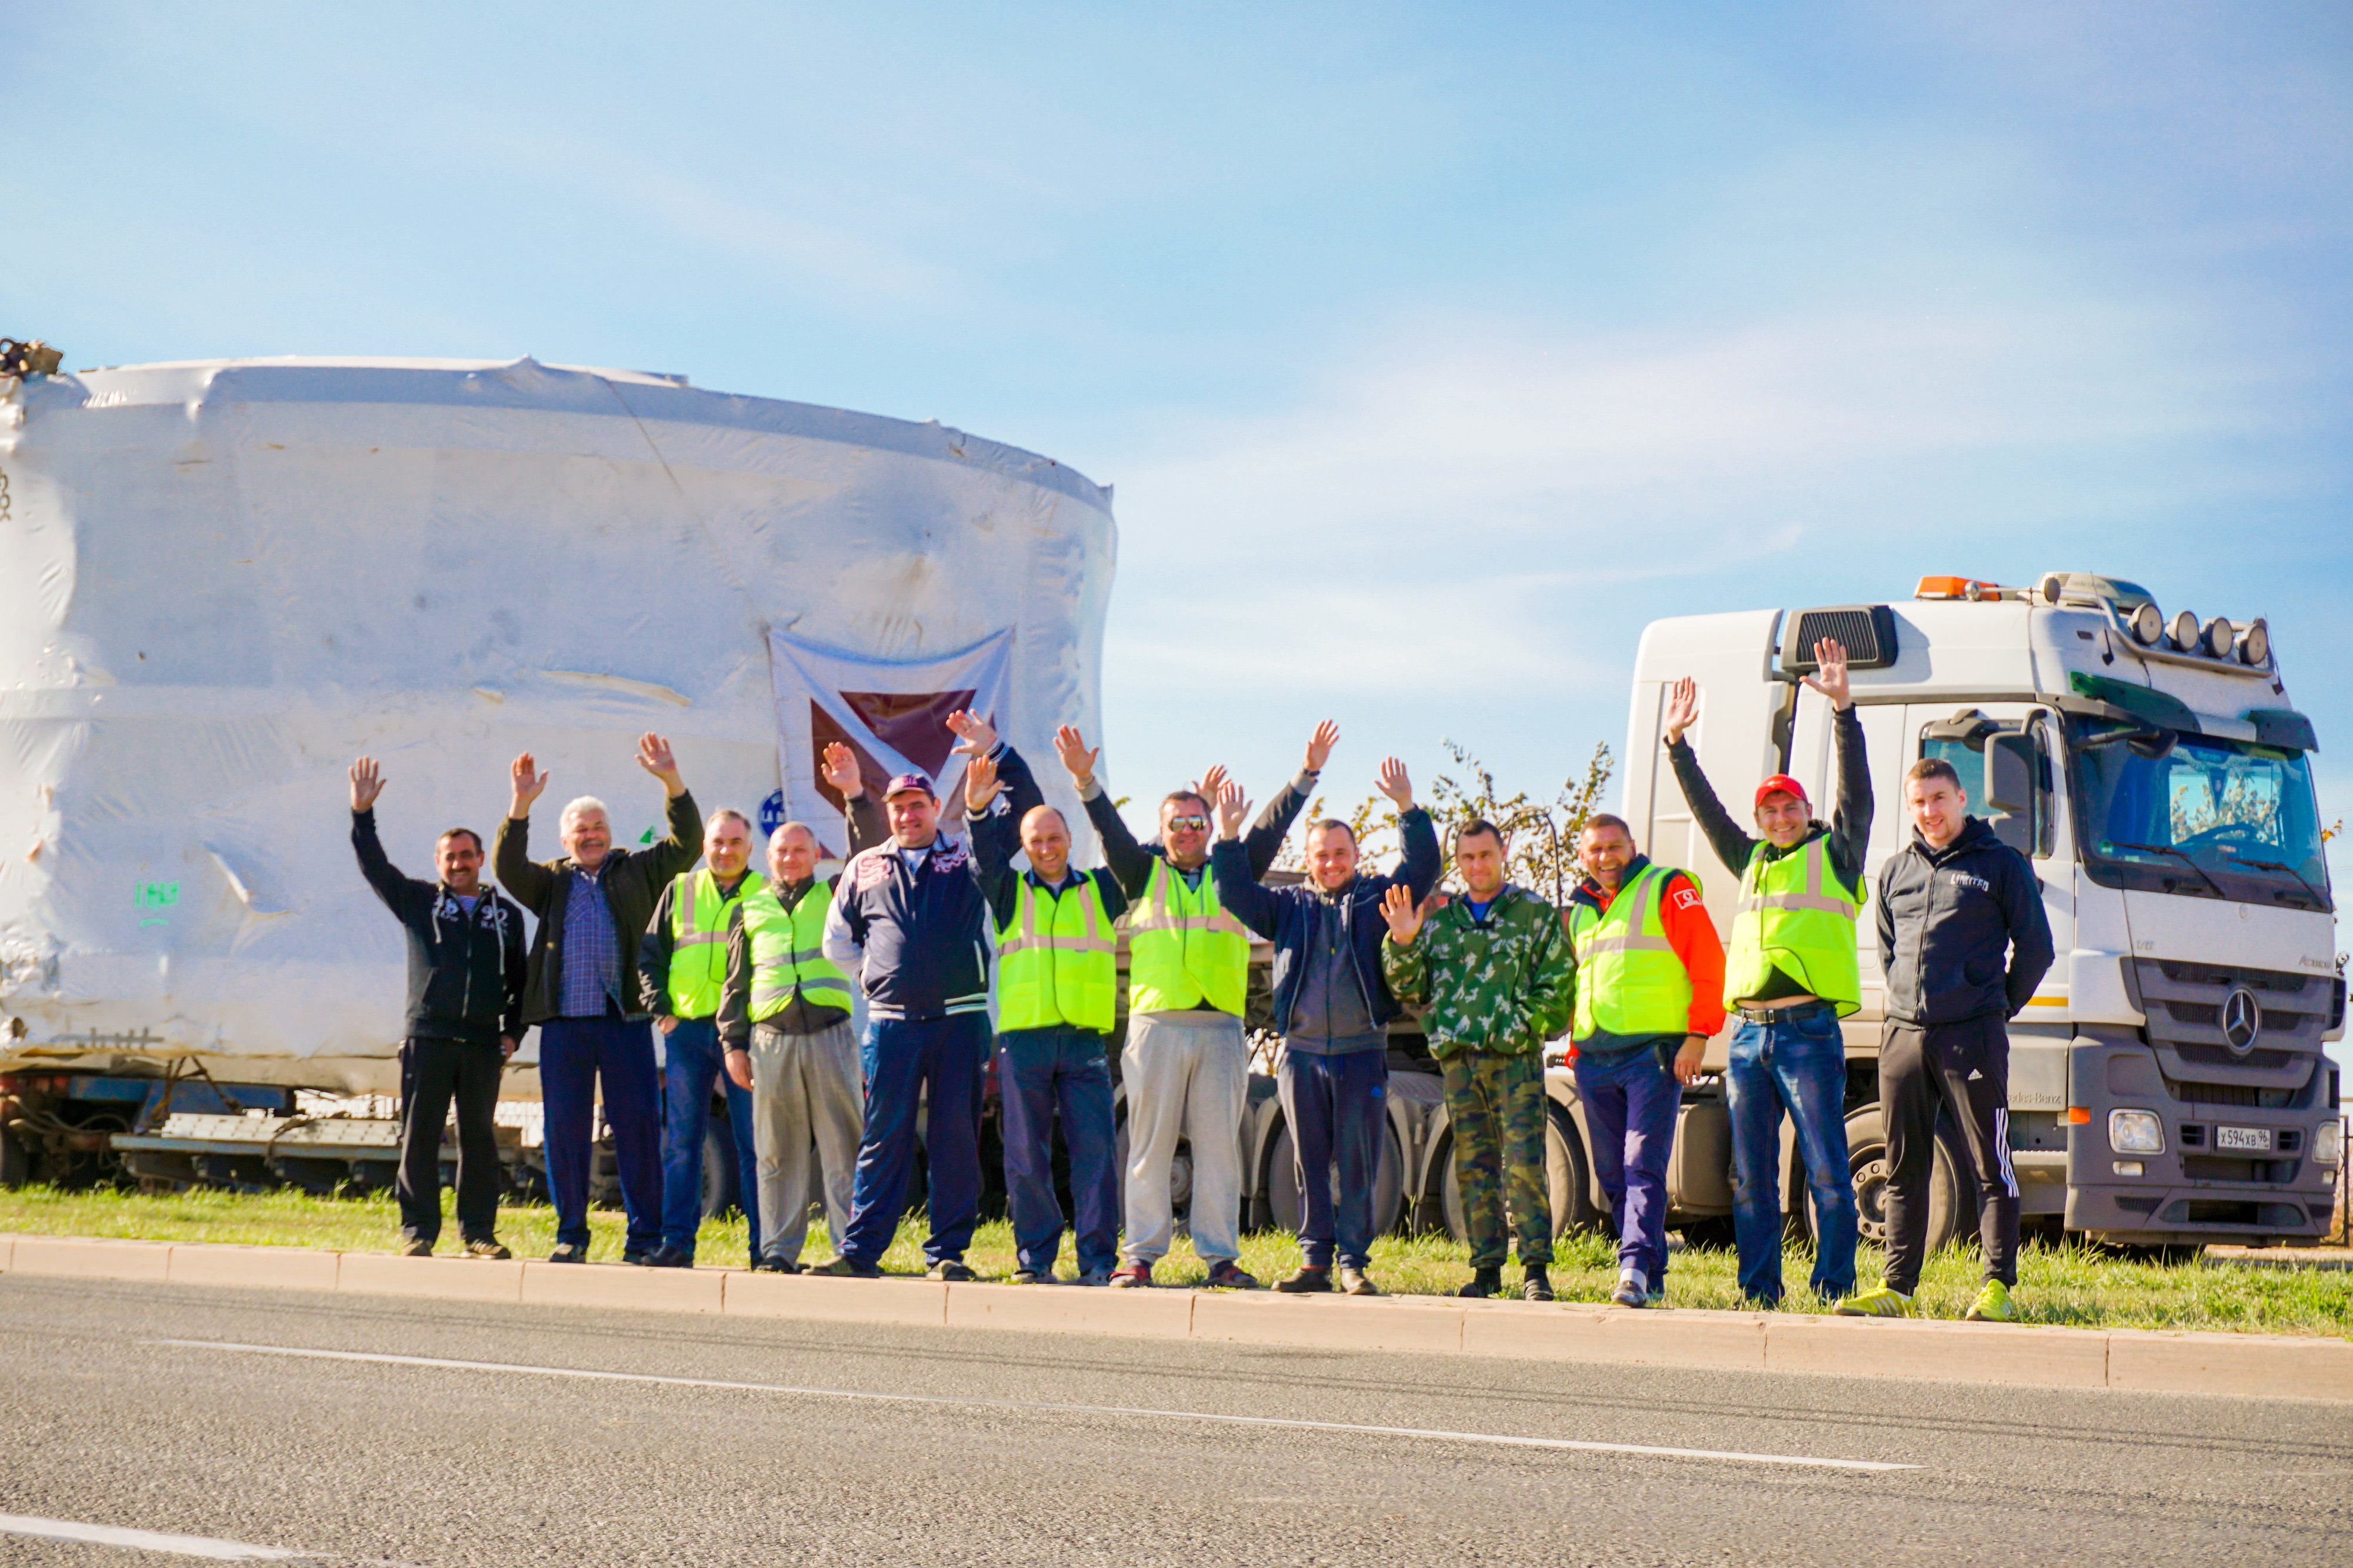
{"type": "Point", "coordinates": [1187, 1075]}
{"type": "Point", "coordinates": [806, 1089]}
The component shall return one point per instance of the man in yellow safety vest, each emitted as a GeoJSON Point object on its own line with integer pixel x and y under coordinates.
{"type": "Point", "coordinates": [1791, 974]}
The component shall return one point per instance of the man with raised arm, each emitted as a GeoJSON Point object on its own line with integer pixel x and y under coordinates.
{"type": "Point", "coordinates": [1792, 973]}
{"type": "Point", "coordinates": [1185, 1066]}
{"type": "Point", "coordinates": [909, 920]}
{"type": "Point", "coordinates": [581, 990]}
{"type": "Point", "coordinates": [1057, 1001]}
{"type": "Point", "coordinates": [1332, 1006]}
{"type": "Point", "coordinates": [1493, 967]}
{"type": "Point", "coordinates": [465, 1017]}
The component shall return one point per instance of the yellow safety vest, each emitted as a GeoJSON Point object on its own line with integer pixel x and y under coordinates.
{"type": "Point", "coordinates": [1794, 916]}
{"type": "Point", "coordinates": [1629, 980]}
{"type": "Point", "coordinates": [1066, 973]}
{"type": "Point", "coordinates": [698, 940]}
{"type": "Point", "coordinates": [1184, 951]}
{"type": "Point", "coordinates": [788, 952]}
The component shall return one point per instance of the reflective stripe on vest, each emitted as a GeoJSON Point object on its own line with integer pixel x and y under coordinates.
{"type": "Point", "coordinates": [1629, 980]}
{"type": "Point", "coordinates": [788, 952]}
{"type": "Point", "coordinates": [698, 940]}
{"type": "Point", "coordinates": [1184, 951]}
{"type": "Point", "coordinates": [1794, 917]}
{"type": "Point", "coordinates": [1066, 973]}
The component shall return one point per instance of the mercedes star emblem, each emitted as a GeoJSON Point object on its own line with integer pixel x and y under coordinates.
{"type": "Point", "coordinates": [2242, 1020]}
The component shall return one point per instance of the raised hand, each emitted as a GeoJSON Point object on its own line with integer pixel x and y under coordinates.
{"type": "Point", "coordinates": [1829, 678]}
{"type": "Point", "coordinates": [1320, 744]}
{"type": "Point", "coordinates": [1233, 809]}
{"type": "Point", "coordinates": [839, 768]}
{"type": "Point", "coordinates": [1393, 781]}
{"type": "Point", "coordinates": [981, 784]}
{"type": "Point", "coordinates": [368, 782]}
{"type": "Point", "coordinates": [530, 784]}
{"type": "Point", "coordinates": [654, 756]}
{"type": "Point", "coordinates": [1683, 707]}
{"type": "Point", "coordinates": [975, 736]}
{"type": "Point", "coordinates": [1077, 761]}
{"type": "Point", "coordinates": [1404, 915]}
{"type": "Point", "coordinates": [1212, 781]}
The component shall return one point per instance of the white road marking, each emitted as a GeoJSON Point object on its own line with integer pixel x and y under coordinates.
{"type": "Point", "coordinates": [1492, 1439]}
{"type": "Point", "coordinates": [143, 1540]}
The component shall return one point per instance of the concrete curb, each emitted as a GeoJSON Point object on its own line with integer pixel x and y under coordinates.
{"type": "Point", "coordinates": [2267, 1366]}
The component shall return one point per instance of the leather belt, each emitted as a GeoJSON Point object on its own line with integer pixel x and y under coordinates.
{"type": "Point", "coordinates": [1789, 1014]}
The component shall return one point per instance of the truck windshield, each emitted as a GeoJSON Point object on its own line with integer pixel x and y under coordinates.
{"type": "Point", "coordinates": [2211, 817]}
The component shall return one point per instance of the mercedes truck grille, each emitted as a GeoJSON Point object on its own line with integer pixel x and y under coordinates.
{"type": "Point", "coordinates": [2221, 1032]}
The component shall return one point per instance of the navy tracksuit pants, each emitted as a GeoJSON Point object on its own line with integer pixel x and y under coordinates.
{"type": "Point", "coordinates": [934, 1066]}
{"type": "Point", "coordinates": [1336, 1106]}
{"type": "Point", "coordinates": [1038, 1073]}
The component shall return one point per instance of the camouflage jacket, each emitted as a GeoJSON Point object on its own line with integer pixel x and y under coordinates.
{"type": "Point", "coordinates": [1506, 986]}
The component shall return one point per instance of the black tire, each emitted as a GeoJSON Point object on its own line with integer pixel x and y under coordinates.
{"type": "Point", "coordinates": [15, 1161]}
{"type": "Point", "coordinates": [722, 1181]}
{"type": "Point", "coordinates": [1568, 1178]}
{"type": "Point", "coordinates": [1716, 1233]}
{"type": "Point", "coordinates": [1287, 1205]}
{"type": "Point", "coordinates": [1952, 1190]}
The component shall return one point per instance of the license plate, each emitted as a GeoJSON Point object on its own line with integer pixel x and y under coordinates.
{"type": "Point", "coordinates": [2256, 1138]}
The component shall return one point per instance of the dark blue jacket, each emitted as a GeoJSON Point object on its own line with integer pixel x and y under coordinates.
{"type": "Point", "coordinates": [1962, 933]}
{"type": "Point", "coordinates": [465, 972]}
{"type": "Point", "coordinates": [1292, 918]}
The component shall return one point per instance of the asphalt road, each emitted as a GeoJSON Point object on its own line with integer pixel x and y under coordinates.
{"type": "Point", "coordinates": [347, 1459]}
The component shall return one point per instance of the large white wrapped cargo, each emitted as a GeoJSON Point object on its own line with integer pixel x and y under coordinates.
{"type": "Point", "coordinates": [220, 581]}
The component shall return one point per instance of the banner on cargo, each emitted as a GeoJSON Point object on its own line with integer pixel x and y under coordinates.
{"type": "Point", "coordinates": [891, 715]}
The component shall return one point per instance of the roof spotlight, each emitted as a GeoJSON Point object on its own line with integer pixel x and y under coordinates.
{"type": "Point", "coordinates": [2256, 644]}
{"type": "Point", "coordinates": [2147, 624]}
{"type": "Point", "coordinates": [2218, 636]}
{"type": "Point", "coordinates": [2185, 630]}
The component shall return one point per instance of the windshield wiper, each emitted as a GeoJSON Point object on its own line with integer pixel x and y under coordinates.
{"type": "Point", "coordinates": [2319, 898]}
{"type": "Point", "coordinates": [2177, 853]}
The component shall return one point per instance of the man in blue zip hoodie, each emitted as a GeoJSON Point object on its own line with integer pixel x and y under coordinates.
{"type": "Point", "coordinates": [1332, 1006]}
{"type": "Point", "coordinates": [911, 921]}
{"type": "Point", "coordinates": [465, 1014]}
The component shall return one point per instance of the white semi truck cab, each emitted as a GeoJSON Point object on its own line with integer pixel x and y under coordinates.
{"type": "Point", "coordinates": [2169, 1084]}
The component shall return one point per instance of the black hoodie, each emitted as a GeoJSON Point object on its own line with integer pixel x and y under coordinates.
{"type": "Point", "coordinates": [465, 971]}
{"type": "Point", "coordinates": [1948, 919]}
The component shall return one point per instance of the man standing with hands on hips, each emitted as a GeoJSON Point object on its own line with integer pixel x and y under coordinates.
{"type": "Point", "coordinates": [1963, 940]}
{"type": "Point", "coordinates": [1793, 971]}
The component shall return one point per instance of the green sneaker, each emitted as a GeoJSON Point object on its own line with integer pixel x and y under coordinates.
{"type": "Point", "coordinates": [1879, 1303]}
{"type": "Point", "coordinates": [1993, 1305]}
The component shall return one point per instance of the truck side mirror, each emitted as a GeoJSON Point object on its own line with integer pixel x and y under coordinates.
{"type": "Point", "coordinates": [2012, 772]}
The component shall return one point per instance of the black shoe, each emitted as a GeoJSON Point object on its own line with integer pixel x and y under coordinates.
{"type": "Point", "coordinates": [568, 1252]}
{"type": "Point", "coordinates": [847, 1268]}
{"type": "Point", "coordinates": [643, 1256]}
{"type": "Point", "coordinates": [1537, 1286]}
{"type": "Point", "coordinates": [667, 1258]}
{"type": "Point", "coordinates": [1484, 1282]}
{"type": "Point", "coordinates": [952, 1270]}
{"type": "Point", "coordinates": [486, 1246]}
{"type": "Point", "coordinates": [1309, 1282]}
{"type": "Point", "coordinates": [416, 1247]}
{"type": "Point", "coordinates": [1357, 1282]}
{"type": "Point", "coordinates": [775, 1266]}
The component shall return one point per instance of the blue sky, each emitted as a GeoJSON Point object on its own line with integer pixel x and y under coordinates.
{"type": "Point", "coordinates": [1433, 350]}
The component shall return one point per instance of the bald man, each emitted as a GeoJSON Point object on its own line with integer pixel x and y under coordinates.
{"type": "Point", "coordinates": [1057, 1001]}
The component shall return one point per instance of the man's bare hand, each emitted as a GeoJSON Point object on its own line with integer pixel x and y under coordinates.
{"type": "Point", "coordinates": [1077, 760]}
{"type": "Point", "coordinates": [980, 785]}
{"type": "Point", "coordinates": [507, 1044]}
{"type": "Point", "coordinates": [1320, 744]}
{"type": "Point", "coordinates": [1403, 914]}
{"type": "Point", "coordinates": [654, 756]}
{"type": "Point", "coordinates": [1683, 708]}
{"type": "Point", "coordinates": [1687, 1058]}
{"type": "Point", "coordinates": [368, 782]}
{"type": "Point", "coordinates": [666, 1023]}
{"type": "Point", "coordinates": [1212, 781]}
{"type": "Point", "coordinates": [839, 768]}
{"type": "Point", "coordinates": [1395, 783]}
{"type": "Point", "coordinates": [975, 736]}
{"type": "Point", "coordinates": [530, 784]}
{"type": "Point", "coordinates": [739, 1068]}
{"type": "Point", "coordinates": [1829, 678]}
{"type": "Point", "coordinates": [1233, 809]}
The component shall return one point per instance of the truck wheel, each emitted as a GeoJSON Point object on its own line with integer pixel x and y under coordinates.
{"type": "Point", "coordinates": [15, 1162]}
{"type": "Point", "coordinates": [1567, 1179]}
{"type": "Point", "coordinates": [720, 1177]}
{"type": "Point", "coordinates": [1952, 1195]}
{"type": "Point", "coordinates": [1288, 1207]}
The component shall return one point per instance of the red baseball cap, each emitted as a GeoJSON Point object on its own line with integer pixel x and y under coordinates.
{"type": "Point", "coordinates": [1782, 784]}
{"type": "Point", "coordinates": [911, 783]}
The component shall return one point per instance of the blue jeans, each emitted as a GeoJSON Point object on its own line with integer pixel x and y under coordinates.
{"type": "Point", "coordinates": [572, 1052]}
{"type": "Point", "coordinates": [1039, 1072]}
{"type": "Point", "coordinates": [1799, 1066]}
{"type": "Point", "coordinates": [936, 1064]}
{"type": "Point", "coordinates": [1629, 1121]}
{"type": "Point", "coordinates": [691, 1058]}
{"type": "Point", "coordinates": [1336, 1106]}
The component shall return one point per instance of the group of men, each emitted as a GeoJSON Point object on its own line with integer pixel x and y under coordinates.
{"type": "Point", "coordinates": [751, 980]}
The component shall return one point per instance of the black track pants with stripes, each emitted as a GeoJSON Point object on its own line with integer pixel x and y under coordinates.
{"type": "Point", "coordinates": [1922, 1069]}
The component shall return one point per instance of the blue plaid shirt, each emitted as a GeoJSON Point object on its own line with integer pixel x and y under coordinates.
{"type": "Point", "coordinates": [592, 950]}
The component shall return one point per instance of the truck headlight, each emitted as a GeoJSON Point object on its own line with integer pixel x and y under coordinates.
{"type": "Point", "coordinates": [2328, 1143]}
{"type": "Point", "coordinates": [2135, 1132]}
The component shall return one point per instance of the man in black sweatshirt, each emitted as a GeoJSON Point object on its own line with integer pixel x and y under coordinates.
{"type": "Point", "coordinates": [1963, 941]}
{"type": "Point", "coordinates": [465, 1014]}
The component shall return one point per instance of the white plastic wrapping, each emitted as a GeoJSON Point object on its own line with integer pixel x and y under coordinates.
{"type": "Point", "coordinates": [221, 581]}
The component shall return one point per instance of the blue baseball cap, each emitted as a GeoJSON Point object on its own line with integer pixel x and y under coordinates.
{"type": "Point", "coordinates": [905, 782]}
